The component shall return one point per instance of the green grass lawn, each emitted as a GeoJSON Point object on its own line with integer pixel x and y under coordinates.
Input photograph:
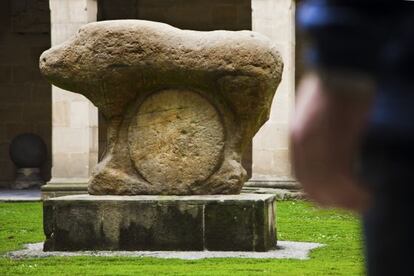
{"type": "Point", "coordinates": [21, 223]}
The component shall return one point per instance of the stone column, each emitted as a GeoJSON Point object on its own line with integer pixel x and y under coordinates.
{"type": "Point", "coordinates": [271, 165]}
{"type": "Point", "coordinates": [74, 118]}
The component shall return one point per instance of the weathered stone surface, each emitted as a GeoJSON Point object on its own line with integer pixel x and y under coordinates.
{"type": "Point", "coordinates": [176, 129]}
{"type": "Point", "coordinates": [181, 105]}
{"type": "Point", "coordinates": [230, 226]}
{"type": "Point", "coordinates": [224, 223]}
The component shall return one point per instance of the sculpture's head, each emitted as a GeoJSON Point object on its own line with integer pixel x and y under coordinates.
{"type": "Point", "coordinates": [62, 65]}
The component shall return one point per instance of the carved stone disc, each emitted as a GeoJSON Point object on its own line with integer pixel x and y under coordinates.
{"type": "Point", "coordinates": [176, 139]}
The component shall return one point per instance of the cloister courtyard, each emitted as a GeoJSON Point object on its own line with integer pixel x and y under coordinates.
{"type": "Point", "coordinates": [93, 183]}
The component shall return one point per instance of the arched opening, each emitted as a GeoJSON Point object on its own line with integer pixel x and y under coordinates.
{"type": "Point", "coordinates": [25, 96]}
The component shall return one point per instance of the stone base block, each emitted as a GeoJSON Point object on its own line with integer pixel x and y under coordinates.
{"type": "Point", "coordinates": [243, 222]}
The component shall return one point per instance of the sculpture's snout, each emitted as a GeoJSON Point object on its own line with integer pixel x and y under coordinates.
{"type": "Point", "coordinates": [51, 63]}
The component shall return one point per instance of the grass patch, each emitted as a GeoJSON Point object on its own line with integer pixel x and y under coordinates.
{"type": "Point", "coordinates": [21, 223]}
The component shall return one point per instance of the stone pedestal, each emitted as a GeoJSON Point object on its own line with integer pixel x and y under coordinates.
{"type": "Point", "coordinates": [216, 223]}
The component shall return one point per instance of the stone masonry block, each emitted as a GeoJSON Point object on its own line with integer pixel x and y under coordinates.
{"type": "Point", "coordinates": [11, 55]}
{"type": "Point", "coordinates": [245, 226]}
{"type": "Point", "coordinates": [187, 223]}
{"type": "Point", "coordinates": [36, 112]}
{"type": "Point", "coordinates": [11, 113]}
{"type": "Point", "coordinates": [30, 16]}
{"type": "Point", "coordinates": [14, 129]}
{"type": "Point", "coordinates": [225, 14]}
{"type": "Point", "coordinates": [5, 74]}
{"type": "Point", "coordinates": [16, 93]}
{"type": "Point", "coordinates": [3, 136]}
{"type": "Point", "coordinates": [230, 226]}
{"type": "Point", "coordinates": [25, 73]}
{"type": "Point", "coordinates": [41, 92]}
{"type": "Point", "coordinates": [110, 10]}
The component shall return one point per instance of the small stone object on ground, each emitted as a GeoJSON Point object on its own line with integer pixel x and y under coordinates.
{"type": "Point", "coordinates": [181, 105]}
{"type": "Point", "coordinates": [28, 152]}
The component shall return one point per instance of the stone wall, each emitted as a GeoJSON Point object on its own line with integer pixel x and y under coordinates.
{"type": "Point", "coordinates": [185, 14]}
{"type": "Point", "coordinates": [25, 97]}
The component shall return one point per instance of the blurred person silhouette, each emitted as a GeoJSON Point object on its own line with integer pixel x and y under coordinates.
{"type": "Point", "coordinates": [353, 132]}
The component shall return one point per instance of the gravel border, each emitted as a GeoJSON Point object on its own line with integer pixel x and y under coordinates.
{"type": "Point", "coordinates": [285, 250]}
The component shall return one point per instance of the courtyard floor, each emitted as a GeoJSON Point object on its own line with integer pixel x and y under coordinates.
{"type": "Point", "coordinates": [21, 223]}
{"type": "Point", "coordinates": [10, 195]}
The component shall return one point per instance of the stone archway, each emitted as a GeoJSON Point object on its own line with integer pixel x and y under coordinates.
{"type": "Point", "coordinates": [25, 97]}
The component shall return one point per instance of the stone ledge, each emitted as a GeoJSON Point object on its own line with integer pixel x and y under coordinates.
{"type": "Point", "coordinates": [51, 190]}
{"type": "Point", "coordinates": [188, 223]}
{"type": "Point", "coordinates": [276, 184]}
{"type": "Point", "coordinates": [52, 187]}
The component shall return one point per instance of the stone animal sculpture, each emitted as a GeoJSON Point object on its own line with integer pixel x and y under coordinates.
{"type": "Point", "coordinates": [181, 105]}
